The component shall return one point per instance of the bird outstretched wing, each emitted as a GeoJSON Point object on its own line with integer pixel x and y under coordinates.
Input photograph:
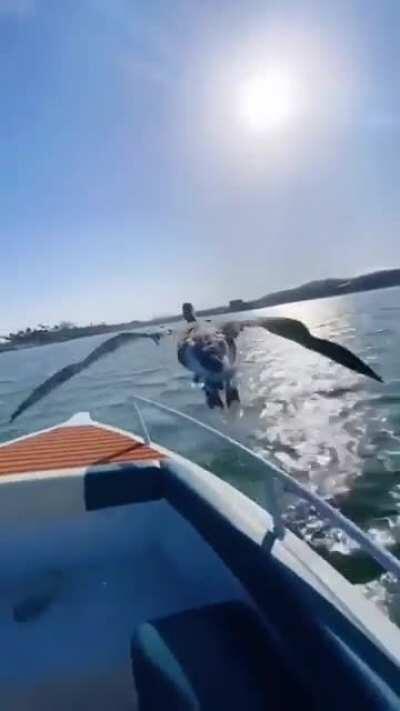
{"type": "Point", "coordinates": [296, 331]}
{"type": "Point", "coordinates": [61, 376]}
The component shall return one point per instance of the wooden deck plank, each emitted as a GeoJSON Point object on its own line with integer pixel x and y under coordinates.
{"type": "Point", "coordinates": [72, 446]}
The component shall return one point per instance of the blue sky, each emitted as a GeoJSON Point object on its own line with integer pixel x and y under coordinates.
{"type": "Point", "coordinates": [130, 181]}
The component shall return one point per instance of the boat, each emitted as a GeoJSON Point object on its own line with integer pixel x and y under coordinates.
{"type": "Point", "coordinates": [133, 578]}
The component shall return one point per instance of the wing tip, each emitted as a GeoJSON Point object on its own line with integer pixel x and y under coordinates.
{"type": "Point", "coordinates": [376, 377]}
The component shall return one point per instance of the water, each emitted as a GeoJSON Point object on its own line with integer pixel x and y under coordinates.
{"type": "Point", "coordinates": [335, 431]}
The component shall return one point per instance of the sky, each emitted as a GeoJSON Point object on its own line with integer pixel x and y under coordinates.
{"type": "Point", "coordinates": [191, 150]}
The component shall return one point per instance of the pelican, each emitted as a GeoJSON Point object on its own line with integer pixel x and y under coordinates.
{"type": "Point", "coordinates": [210, 353]}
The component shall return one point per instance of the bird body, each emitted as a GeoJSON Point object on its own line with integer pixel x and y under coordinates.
{"type": "Point", "coordinates": [210, 356]}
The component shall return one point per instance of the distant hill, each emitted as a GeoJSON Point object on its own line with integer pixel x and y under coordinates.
{"type": "Point", "coordinates": [318, 289]}
{"type": "Point", "coordinates": [323, 288]}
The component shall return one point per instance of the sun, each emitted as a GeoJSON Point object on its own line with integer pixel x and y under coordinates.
{"type": "Point", "coordinates": [268, 101]}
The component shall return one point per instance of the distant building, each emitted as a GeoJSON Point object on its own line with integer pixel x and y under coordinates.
{"type": "Point", "coordinates": [237, 304]}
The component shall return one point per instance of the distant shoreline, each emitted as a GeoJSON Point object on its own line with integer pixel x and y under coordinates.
{"type": "Point", "coordinates": [321, 289]}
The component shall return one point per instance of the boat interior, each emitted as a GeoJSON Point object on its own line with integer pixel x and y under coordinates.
{"type": "Point", "coordinates": [126, 587]}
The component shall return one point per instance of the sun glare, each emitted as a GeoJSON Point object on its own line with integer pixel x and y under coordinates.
{"type": "Point", "coordinates": [268, 101]}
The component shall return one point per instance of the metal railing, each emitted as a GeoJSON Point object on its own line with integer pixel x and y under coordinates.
{"type": "Point", "coordinates": [279, 480]}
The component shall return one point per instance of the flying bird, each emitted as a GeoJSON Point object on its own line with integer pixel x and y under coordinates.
{"type": "Point", "coordinates": [210, 353]}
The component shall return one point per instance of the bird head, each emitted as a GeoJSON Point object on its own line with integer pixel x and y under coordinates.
{"type": "Point", "coordinates": [188, 312]}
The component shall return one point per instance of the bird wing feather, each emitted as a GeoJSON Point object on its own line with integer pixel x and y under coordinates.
{"type": "Point", "coordinates": [68, 372]}
{"type": "Point", "coordinates": [296, 331]}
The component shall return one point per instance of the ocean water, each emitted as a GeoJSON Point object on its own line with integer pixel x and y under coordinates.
{"type": "Point", "coordinates": [336, 432]}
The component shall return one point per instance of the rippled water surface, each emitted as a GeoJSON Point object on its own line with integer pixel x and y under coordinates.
{"type": "Point", "coordinates": [335, 431]}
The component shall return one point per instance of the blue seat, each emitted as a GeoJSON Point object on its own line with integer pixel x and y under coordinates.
{"type": "Point", "coordinates": [130, 485]}
{"type": "Point", "coordinates": [213, 658]}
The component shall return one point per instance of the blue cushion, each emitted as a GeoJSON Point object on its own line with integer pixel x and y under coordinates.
{"type": "Point", "coordinates": [130, 485]}
{"type": "Point", "coordinates": [213, 658]}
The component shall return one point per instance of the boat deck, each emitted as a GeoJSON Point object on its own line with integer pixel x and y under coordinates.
{"type": "Point", "coordinates": [72, 446]}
